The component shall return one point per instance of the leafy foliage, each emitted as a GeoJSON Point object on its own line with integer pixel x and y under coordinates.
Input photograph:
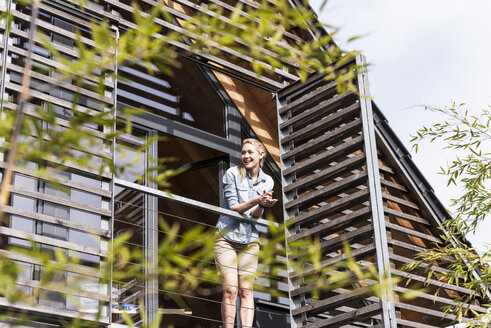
{"type": "Point", "coordinates": [470, 135]}
{"type": "Point", "coordinates": [85, 138]}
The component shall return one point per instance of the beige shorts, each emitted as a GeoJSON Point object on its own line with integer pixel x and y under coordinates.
{"type": "Point", "coordinates": [235, 258]}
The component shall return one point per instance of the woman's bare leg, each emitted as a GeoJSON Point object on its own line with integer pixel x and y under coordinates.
{"type": "Point", "coordinates": [229, 299]}
{"type": "Point", "coordinates": [246, 300]}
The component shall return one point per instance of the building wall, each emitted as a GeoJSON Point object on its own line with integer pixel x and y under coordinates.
{"type": "Point", "coordinates": [201, 122]}
{"type": "Point", "coordinates": [196, 118]}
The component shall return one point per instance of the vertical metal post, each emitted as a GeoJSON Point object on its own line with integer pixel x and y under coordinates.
{"type": "Point", "coordinates": [151, 236]}
{"type": "Point", "coordinates": [286, 215]}
{"type": "Point", "coordinates": [113, 151]}
{"type": "Point", "coordinates": [3, 73]}
{"type": "Point", "coordinates": [376, 202]}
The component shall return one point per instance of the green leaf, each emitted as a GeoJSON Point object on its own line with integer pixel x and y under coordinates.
{"type": "Point", "coordinates": [101, 35]}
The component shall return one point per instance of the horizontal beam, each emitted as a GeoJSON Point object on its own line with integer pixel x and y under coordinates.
{"type": "Point", "coordinates": [59, 200]}
{"type": "Point", "coordinates": [331, 190]}
{"type": "Point", "coordinates": [51, 241]}
{"type": "Point", "coordinates": [327, 173]}
{"type": "Point", "coordinates": [343, 149]}
{"type": "Point", "coordinates": [191, 202]}
{"type": "Point", "coordinates": [324, 140]}
{"type": "Point", "coordinates": [352, 316]}
{"type": "Point", "coordinates": [334, 301]}
{"type": "Point", "coordinates": [310, 98]}
{"type": "Point", "coordinates": [54, 220]}
{"type": "Point", "coordinates": [327, 228]}
{"type": "Point", "coordinates": [338, 205]}
{"type": "Point", "coordinates": [70, 267]}
{"type": "Point", "coordinates": [43, 310]}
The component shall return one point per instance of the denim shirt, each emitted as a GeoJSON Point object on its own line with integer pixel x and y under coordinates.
{"type": "Point", "coordinates": [236, 192]}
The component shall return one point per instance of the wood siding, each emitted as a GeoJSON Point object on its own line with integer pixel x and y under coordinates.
{"type": "Point", "coordinates": [328, 195]}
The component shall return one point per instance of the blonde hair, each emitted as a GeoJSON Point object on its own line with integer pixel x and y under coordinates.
{"type": "Point", "coordinates": [260, 149]}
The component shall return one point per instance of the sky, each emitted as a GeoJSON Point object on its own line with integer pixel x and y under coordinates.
{"type": "Point", "coordinates": [421, 53]}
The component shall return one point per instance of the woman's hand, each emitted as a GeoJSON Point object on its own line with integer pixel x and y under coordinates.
{"type": "Point", "coordinates": [266, 199]}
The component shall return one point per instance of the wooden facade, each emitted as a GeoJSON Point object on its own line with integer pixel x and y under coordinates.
{"type": "Point", "coordinates": [347, 178]}
{"type": "Point", "coordinates": [339, 170]}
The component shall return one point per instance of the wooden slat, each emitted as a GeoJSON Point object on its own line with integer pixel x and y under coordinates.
{"type": "Point", "coordinates": [37, 309]}
{"type": "Point", "coordinates": [312, 80]}
{"type": "Point", "coordinates": [313, 114]}
{"type": "Point", "coordinates": [322, 124]}
{"type": "Point", "coordinates": [428, 311]}
{"type": "Point", "coordinates": [329, 191]}
{"type": "Point", "coordinates": [394, 185]}
{"type": "Point", "coordinates": [190, 34]}
{"type": "Point", "coordinates": [440, 299]}
{"type": "Point", "coordinates": [184, 16]}
{"type": "Point", "coordinates": [385, 168]}
{"type": "Point", "coordinates": [68, 51]}
{"type": "Point", "coordinates": [404, 245]}
{"type": "Point", "coordinates": [93, 151]}
{"type": "Point", "coordinates": [73, 165]}
{"type": "Point", "coordinates": [203, 8]}
{"type": "Point", "coordinates": [357, 254]}
{"type": "Point", "coordinates": [403, 259]}
{"type": "Point", "coordinates": [65, 182]}
{"type": "Point", "coordinates": [53, 220]}
{"type": "Point", "coordinates": [432, 282]}
{"type": "Point", "coordinates": [97, 13]}
{"type": "Point", "coordinates": [335, 243]}
{"type": "Point", "coordinates": [335, 170]}
{"type": "Point", "coordinates": [54, 100]}
{"type": "Point", "coordinates": [59, 121]}
{"type": "Point", "coordinates": [333, 302]}
{"type": "Point", "coordinates": [51, 241]}
{"type": "Point", "coordinates": [64, 85]}
{"type": "Point", "coordinates": [59, 200]}
{"type": "Point", "coordinates": [333, 225]}
{"type": "Point", "coordinates": [405, 216]}
{"type": "Point", "coordinates": [413, 232]}
{"type": "Point", "coordinates": [348, 280]}
{"type": "Point", "coordinates": [333, 207]}
{"type": "Point", "coordinates": [313, 146]}
{"type": "Point", "coordinates": [54, 29]}
{"type": "Point", "coordinates": [70, 267]}
{"type": "Point", "coordinates": [221, 63]}
{"type": "Point", "coordinates": [52, 63]}
{"type": "Point", "coordinates": [49, 62]}
{"type": "Point", "coordinates": [52, 10]}
{"type": "Point", "coordinates": [310, 98]}
{"type": "Point", "coordinates": [246, 14]}
{"type": "Point", "coordinates": [62, 289]}
{"type": "Point", "coordinates": [408, 323]}
{"type": "Point", "coordinates": [400, 201]}
{"type": "Point", "coordinates": [345, 148]}
{"type": "Point", "coordinates": [356, 315]}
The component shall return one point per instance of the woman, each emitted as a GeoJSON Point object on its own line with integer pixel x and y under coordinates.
{"type": "Point", "coordinates": [247, 190]}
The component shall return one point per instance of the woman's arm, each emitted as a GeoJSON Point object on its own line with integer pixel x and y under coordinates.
{"type": "Point", "coordinates": [241, 208]}
{"type": "Point", "coordinates": [264, 200]}
{"type": "Point", "coordinates": [232, 199]}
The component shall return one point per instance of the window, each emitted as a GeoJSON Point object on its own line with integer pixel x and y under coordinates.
{"type": "Point", "coordinates": [186, 97]}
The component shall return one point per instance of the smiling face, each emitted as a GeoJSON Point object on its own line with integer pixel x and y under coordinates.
{"type": "Point", "coordinates": [251, 157]}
